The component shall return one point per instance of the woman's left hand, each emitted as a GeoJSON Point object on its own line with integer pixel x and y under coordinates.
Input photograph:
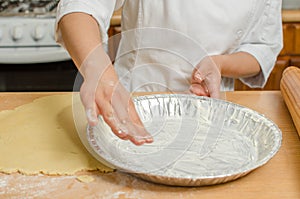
{"type": "Point", "coordinates": [206, 78]}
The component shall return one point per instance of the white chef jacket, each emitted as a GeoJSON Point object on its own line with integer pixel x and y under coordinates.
{"type": "Point", "coordinates": [163, 40]}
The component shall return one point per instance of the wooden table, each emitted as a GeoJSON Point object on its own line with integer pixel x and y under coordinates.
{"type": "Point", "coordinates": [279, 178]}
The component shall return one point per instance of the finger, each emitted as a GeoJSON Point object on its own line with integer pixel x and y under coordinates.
{"type": "Point", "coordinates": [137, 133]}
{"type": "Point", "coordinates": [104, 103]}
{"type": "Point", "coordinates": [88, 101]}
{"type": "Point", "coordinates": [133, 115]}
{"type": "Point", "coordinates": [198, 77]}
{"type": "Point", "coordinates": [126, 112]}
{"type": "Point", "coordinates": [138, 125]}
{"type": "Point", "coordinates": [112, 120]}
{"type": "Point", "coordinates": [103, 98]}
{"type": "Point", "coordinates": [213, 87]}
{"type": "Point", "coordinates": [128, 117]}
{"type": "Point", "coordinates": [199, 89]}
{"type": "Point", "coordinates": [92, 116]}
{"type": "Point", "coordinates": [134, 136]}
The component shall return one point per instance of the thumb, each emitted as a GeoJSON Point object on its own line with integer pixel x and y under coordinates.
{"type": "Point", "coordinates": [88, 101]}
{"type": "Point", "coordinates": [91, 115]}
{"type": "Point", "coordinates": [213, 87]}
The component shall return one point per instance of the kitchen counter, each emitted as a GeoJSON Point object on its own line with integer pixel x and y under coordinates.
{"type": "Point", "coordinates": [291, 16]}
{"type": "Point", "coordinates": [116, 18]}
{"type": "Point", "coordinates": [287, 16]}
{"type": "Point", "coordinates": [279, 178]}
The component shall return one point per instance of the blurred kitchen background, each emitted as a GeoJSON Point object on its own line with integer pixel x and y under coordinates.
{"type": "Point", "coordinates": [30, 59]}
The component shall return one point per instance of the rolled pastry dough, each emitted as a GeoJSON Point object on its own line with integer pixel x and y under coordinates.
{"type": "Point", "coordinates": [40, 137]}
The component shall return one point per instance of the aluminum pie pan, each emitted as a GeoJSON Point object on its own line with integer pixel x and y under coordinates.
{"type": "Point", "coordinates": [197, 141]}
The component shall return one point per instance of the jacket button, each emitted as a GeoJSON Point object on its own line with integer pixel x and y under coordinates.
{"type": "Point", "coordinates": [239, 34]}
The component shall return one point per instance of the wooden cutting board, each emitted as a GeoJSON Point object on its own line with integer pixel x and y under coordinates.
{"type": "Point", "coordinates": [290, 89]}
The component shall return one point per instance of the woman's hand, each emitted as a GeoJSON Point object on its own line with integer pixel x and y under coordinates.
{"type": "Point", "coordinates": [102, 94]}
{"type": "Point", "coordinates": [206, 78]}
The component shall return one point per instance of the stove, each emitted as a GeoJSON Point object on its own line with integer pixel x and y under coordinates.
{"type": "Point", "coordinates": [30, 59]}
{"type": "Point", "coordinates": [27, 32]}
{"type": "Point", "coordinates": [32, 8]}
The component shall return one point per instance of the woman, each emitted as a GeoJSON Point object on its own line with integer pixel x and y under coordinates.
{"type": "Point", "coordinates": [167, 45]}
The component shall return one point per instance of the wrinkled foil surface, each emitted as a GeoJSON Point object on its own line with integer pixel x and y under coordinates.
{"type": "Point", "coordinates": [197, 141]}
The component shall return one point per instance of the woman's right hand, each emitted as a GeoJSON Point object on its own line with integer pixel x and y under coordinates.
{"type": "Point", "coordinates": [102, 94]}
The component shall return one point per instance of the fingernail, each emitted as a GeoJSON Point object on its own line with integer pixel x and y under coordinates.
{"type": "Point", "coordinates": [139, 142]}
{"type": "Point", "coordinates": [122, 133]}
{"type": "Point", "coordinates": [91, 116]}
{"type": "Point", "coordinates": [198, 77]}
{"type": "Point", "coordinates": [149, 139]}
{"type": "Point", "coordinates": [142, 140]}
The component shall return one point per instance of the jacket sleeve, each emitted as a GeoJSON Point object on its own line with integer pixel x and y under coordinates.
{"type": "Point", "coordinates": [264, 42]}
{"type": "Point", "coordinates": [101, 10]}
